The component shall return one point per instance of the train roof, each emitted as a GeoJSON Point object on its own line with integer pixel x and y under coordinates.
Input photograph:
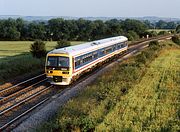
{"type": "Point", "coordinates": [89, 46]}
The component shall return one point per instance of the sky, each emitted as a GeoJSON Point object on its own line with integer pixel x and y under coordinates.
{"type": "Point", "coordinates": [91, 8]}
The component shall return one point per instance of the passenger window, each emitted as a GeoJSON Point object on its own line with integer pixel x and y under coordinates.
{"type": "Point", "coordinates": [114, 48]}
{"type": "Point", "coordinates": [96, 55]}
{"type": "Point", "coordinates": [77, 63]}
{"type": "Point", "coordinates": [102, 52]}
{"type": "Point", "coordinates": [108, 50]}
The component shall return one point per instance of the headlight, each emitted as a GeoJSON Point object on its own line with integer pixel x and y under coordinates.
{"type": "Point", "coordinates": [65, 72]}
{"type": "Point", "coordinates": [49, 71]}
{"type": "Point", "coordinates": [64, 69]}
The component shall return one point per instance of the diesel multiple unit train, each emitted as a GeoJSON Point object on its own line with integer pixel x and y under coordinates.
{"type": "Point", "coordinates": [65, 65]}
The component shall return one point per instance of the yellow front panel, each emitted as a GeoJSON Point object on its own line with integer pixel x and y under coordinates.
{"type": "Point", "coordinates": [58, 73]}
{"type": "Point", "coordinates": [63, 71]}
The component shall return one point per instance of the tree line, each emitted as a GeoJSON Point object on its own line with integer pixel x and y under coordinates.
{"type": "Point", "coordinates": [84, 30]}
{"type": "Point", "coordinates": [57, 29]}
{"type": "Point", "coordinates": [162, 24]}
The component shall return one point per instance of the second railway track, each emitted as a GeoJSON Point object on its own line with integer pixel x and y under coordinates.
{"type": "Point", "coordinates": [7, 91]}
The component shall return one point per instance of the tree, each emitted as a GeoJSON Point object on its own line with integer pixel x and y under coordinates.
{"type": "Point", "coordinates": [99, 30]}
{"type": "Point", "coordinates": [13, 34]}
{"type": "Point", "coordinates": [8, 30]}
{"type": "Point", "coordinates": [170, 25]}
{"type": "Point", "coordinates": [178, 29]}
{"type": "Point", "coordinates": [113, 28]}
{"type": "Point", "coordinates": [152, 33]}
{"type": "Point", "coordinates": [161, 24]}
{"type": "Point", "coordinates": [154, 45]}
{"type": "Point", "coordinates": [56, 28]}
{"type": "Point", "coordinates": [62, 44]}
{"type": "Point", "coordinates": [132, 35]}
{"type": "Point", "coordinates": [37, 30]}
{"type": "Point", "coordinates": [176, 39]}
{"type": "Point", "coordinates": [38, 49]}
{"type": "Point", "coordinates": [163, 33]}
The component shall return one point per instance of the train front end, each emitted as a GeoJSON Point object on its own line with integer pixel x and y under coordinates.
{"type": "Point", "coordinates": [58, 69]}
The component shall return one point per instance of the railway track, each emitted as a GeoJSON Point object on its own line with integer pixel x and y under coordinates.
{"type": "Point", "coordinates": [19, 99]}
{"type": "Point", "coordinates": [17, 103]}
{"type": "Point", "coordinates": [7, 91]}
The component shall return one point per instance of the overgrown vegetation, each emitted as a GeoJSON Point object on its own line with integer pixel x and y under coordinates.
{"type": "Point", "coordinates": [107, 105]}
{"type": "Point", "coordinates": [153, 103]}
{"type": "Point", "coordinates": [11, 67]}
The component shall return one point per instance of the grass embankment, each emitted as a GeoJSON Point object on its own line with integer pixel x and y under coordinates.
{"type": "Point", "coordinates": [153, 104]}
{"type": "Point", "coordinates": [16, 60]}
{"type": "Point", "coordinates": [136, 95]}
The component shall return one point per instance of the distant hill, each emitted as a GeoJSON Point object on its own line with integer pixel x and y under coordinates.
{"type": "Point", "coordinates": [46, 18]}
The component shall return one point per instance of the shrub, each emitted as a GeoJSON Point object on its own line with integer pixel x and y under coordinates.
{"type": "Point", "coordinates": [132, 35]}
{"type": "Point", "coordinates": [62, 44]}
{"type": "Point", "coordinates": [153, 34]}
{"type": "Point", "coordinates": [141, 58]}
{"type": "Point", "coordinates": [176, 39]}
{"type": "Point", "coordinates": [154, 45]}
{"type": "Point", "coordinates": [163, 33]}
{"type": "Point", "coordinates": [178, 29]}
{"type": "Point", "coordinates": [19, 65]}
{"type": "Point", "coordinates": [38, 49]}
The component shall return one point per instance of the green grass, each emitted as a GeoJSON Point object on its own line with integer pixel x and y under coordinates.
{"type": "Point", "coordinates": [153, 104]}
{"type": "Point", "coordinates": [12, 48]}
{"type": "Point", "coordinates": [159, 30]}
{"type": "Point", "coordinates": [129, 97]}
{"type": "Point", "coordinates": [13, 66]}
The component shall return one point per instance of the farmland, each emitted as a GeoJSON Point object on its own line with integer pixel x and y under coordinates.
{"type": "Point", "coordinates": [159, 30]}
{"type": "Point", "coordinates": [12, 48]}
{"type": "Point", "coordinates": [137, 95]}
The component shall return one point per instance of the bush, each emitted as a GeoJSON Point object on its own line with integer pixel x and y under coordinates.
{"type": "Point", "coordinates": [14, 66]}
{"type": "Point", "coordinates": [153, 34]}
{"type": "Point", "coordinates": [178, 29]}
{"type": "Point", "coordinates": [132, 35]}
{"type": "Point", "coordinates": [154, 45]}
{"type": "Point", "coordinates": [62, 44]}
{"type": "Point", "coordinates": [141, 58]}
{"type": "Point", "coordinates": [163, 33]}
{"type": "Point", "coordinates": [176, 39]}
{"type": "Point", "coordinates": [38, 49]}
{"type": "Point", "coordinates": [148, 55]}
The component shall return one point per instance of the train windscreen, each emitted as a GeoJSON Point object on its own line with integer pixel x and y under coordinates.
{"type": "Point", "coordinates": [58, 61]}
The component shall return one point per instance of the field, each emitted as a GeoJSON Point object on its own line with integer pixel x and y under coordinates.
{"type": "Point", "coordinates": [12, 48]}
{"type": "Point", "coordinates": [141, 94]}
{"type": "Point", "coordinates": [159, 30]}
